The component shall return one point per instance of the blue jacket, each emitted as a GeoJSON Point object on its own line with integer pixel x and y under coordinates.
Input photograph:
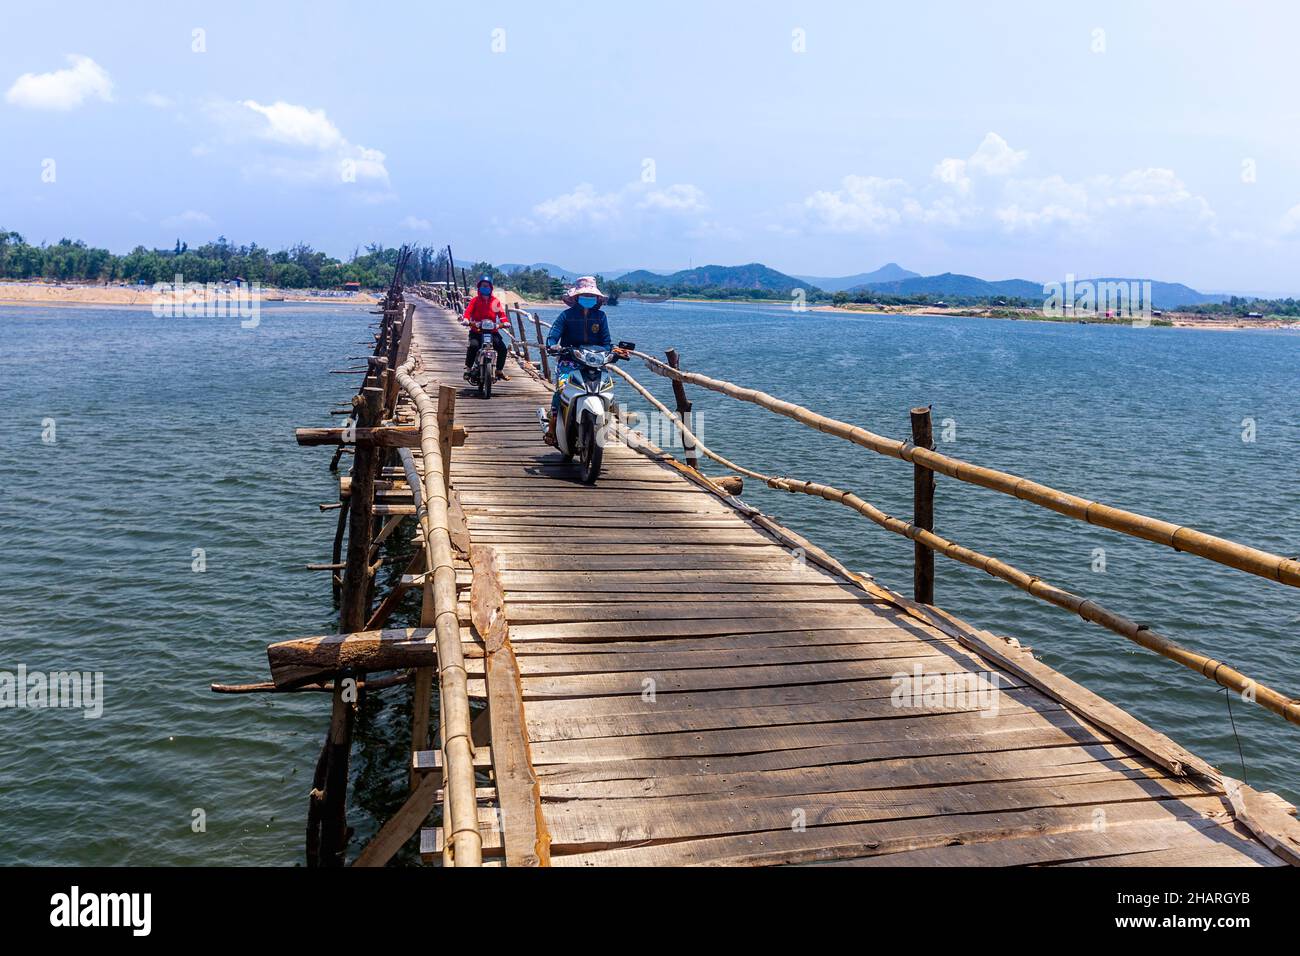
{"type": "Point", "coordinates": [571, 329]}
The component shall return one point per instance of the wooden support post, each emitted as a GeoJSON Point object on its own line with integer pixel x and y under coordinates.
{"type": "Point", "coordinates": [541, 348]}
{"type": "Point", "coordinates": [377, 366]}
{"type": "Point", "coordinates": [683, 410]}
{"type": "Point", "coordinates": [923, 508]}
{"type": "Point", "coordinates": [365, 462]}
{"type": "Point", "coordinates": [421, 701]}
{"type": "Point", "coordinates": [522, 337]}
{"type": "Point", "coordinates": [446, 431]}
{"type": "Point", "coordinates": [338, 747]}
{"type": "Point", "coordinates": [338, 546]}
{"type": "Point", "coordinates": [514, 340]}
{"type": "Point", "coordinates": [329, 807]}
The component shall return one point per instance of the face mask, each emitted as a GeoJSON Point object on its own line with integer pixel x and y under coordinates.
{"type": "Point", "coordinates": [484, 291]}
{"type": "Point", "coordinates": [587, 301]}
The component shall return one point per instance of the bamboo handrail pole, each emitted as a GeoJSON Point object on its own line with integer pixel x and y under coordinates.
{"type": "Point", "coordinates": [686, 432]}
{"type": "Point", "coordinates": [1179, 537]}
{"type": "Point", "coordinates": [1222, 674]}
{"type": "Point", "coordinates": [422, 691]}
{"type": "Point", "coordinates": [541, 346]}
{"type": "Point", "coordinates": [458, 747]}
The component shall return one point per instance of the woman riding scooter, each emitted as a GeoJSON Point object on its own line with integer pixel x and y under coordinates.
{"type": "Point", "coordinates": [486, 316]}
{"type": "Point", "coordinates": [583, 325]}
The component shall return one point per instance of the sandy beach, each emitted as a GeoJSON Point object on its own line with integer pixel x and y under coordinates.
{"type": "Point", "coordinates": [1179, 320]}
{"type": "Point", "coordinates": [51, 293]}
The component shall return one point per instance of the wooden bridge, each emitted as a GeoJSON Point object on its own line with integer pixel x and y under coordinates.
{"type": "Point", "coordinates": [649, 671]}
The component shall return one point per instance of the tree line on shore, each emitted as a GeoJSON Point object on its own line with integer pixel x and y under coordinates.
{"type": "Point", "coordinates": [297, 267]}
{"type": "Point", "coordinates": [372, 267]}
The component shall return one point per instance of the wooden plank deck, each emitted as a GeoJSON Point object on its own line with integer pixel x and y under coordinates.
{"type": "Point", "coordinates": [694, 693]}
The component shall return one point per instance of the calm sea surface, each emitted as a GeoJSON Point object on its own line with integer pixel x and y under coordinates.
{"type": "Point", "coordinates": [172, 435]}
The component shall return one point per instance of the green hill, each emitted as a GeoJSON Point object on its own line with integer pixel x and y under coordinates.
{"type": "Point", "coordinates": [754, 277]}
{"type": "Point", "coordinates": [889, 272]}
{"type": "Point", "coordinates": [950, 285]}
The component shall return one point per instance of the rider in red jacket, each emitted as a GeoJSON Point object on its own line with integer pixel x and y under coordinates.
{"type": "Point", "coordinates": [487, 317]}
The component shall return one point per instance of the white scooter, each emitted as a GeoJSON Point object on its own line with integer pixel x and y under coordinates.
{"type": "Point", "coordinates": [585, 394]}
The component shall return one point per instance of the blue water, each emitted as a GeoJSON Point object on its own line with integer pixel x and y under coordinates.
{"type": "Point", "coordinates": [172, 435]}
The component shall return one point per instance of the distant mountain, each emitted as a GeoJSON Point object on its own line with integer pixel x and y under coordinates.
{"type": "Point", "coordinates": [890, 272]}
{"type": "Point", "coordinates": [558, 272]}
{"type": "Point", "coordinates": [955, 285]}
{"type": "Point", "coordinates": [1164, 295]}
{"type": "Point", "coordinates": [753, 276]}
{"type": "Point", "coordinates": [1171, 295]}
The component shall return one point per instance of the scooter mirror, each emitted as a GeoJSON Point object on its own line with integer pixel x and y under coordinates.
{"type": "Point", "coordinates": [627, 345]}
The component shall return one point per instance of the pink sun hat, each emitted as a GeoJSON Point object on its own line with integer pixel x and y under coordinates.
{"type": "Point", "coordinates": [585, 285]}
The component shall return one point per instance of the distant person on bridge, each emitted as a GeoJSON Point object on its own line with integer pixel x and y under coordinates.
{"type": "Point", "coordinates": [583, 325]}
{"type": "Point", "coordinates": [487, 317]}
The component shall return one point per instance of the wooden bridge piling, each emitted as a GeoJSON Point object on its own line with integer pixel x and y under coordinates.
{"type": "Point", "coordinates": [683, 410]}
{"type": "Point", "coordinates": [923, 509]}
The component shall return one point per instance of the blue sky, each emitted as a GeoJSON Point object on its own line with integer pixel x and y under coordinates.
{"type": "Point", "coordinates": [1000, 139]}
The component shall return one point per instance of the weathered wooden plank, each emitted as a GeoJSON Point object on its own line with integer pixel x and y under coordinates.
{"type": "Point", "coordinates": [533, 665]}
{"type": "Point", "coordinates": [721, 718]}
{"type": "Point", "coordinates": [696, 701]}
{"type": "Point", "coordinates": [1091, 844]}
{"type": "Point", "coordinates": [848, 841]}
{"type": "Point", "coordinates": [523, 827]}
{"type": "Point", "coordinates": [614, 822]}
{"type": "Point", "coordinates": [737, 607]}
{"type": "Point", "coordinates": [790, 737]}
{"type": "Point", "coordinates": [827, 620]}
{"type": "Point", "coordinates": [1002, 738]}
{"type": "Point", "coordinates": [649, 681]}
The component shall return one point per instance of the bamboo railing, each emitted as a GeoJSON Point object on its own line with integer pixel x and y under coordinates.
{"type": "Point", "coordinates": [1178, 537]}
{"type": "Point", "coordinates": [464, 838]}
{"type": "Point", "coordinates": [1181, 538]}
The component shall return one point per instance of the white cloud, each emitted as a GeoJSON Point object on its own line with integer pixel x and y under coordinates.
{"type": "Point", "coordinates": [416, 224]}
{"type": "Point", "coordinates": [1029, 204]}
{"type": "Point", "coordinates": [995, 158]}
{"type": "Point", "coordinates": [297, 125]}
{"type": "Point", "coordinates": [953, 172]}
{"type": "Point", "coordinates": [190, 217]}
{"type": "Point", "coordinates": [583, 204]}
{"type": "Point", "coordinates": [157, 100]}
{"type": "Point", "coordinates": [864, 204]}
{"type": "Point", "coordinates": [682, 197]}
{"type": "Point", "coordinates": [62, 89]}
{"type": "Point", "coordinates": [1151, 188]}
{"type": "Point", "coordinates": [982, 189]}
{"type": "Point", "coordinates": [298, 144]}
{"type": "Point", "coordinates": [586, 206]}
{"type": "Point", "coordinates": [1290, 224]}
{"type": "Point", "coordinates": [1140, 195]}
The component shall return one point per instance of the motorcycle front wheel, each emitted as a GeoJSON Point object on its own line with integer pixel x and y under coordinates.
{"type": "Point", "coordinates": [589, 451]}
{"type": "Point", "coordinates": [485, 382]}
